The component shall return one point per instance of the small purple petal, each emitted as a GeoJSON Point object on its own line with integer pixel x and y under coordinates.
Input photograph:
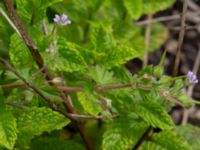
{"type": "Point", "coordinates": [62, 20]}
{"type": "Point", "coordinates": [192, 77]}
{"type": "Point", "coordinates": [64, 17]}
{"type": "Point", "coordinates": [56, 18]}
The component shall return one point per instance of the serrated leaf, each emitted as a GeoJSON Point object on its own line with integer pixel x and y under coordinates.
{"type": "Point", "coordinates": [101, 37]}
{"type": "Point", "coordinates": [170, 140]}
{"type": "Point", "coordinates": [89, 103]}
{"type": "Point", "coordinates": [119, 55]}
{"type": "Point", "coordinates": [101, 75]}
{"type": "Point", "coordinates": [190, 133]}
{"type": "Point", "coordinates": [19, 53]}
{"type": "Point", "coordinates": [68, 58]}
{"type": "Point", "coordinates": [8, 130]}
{"type": "Point", "coordinates": [36, 120]}
{"type": "Point", "coordinates": [123, 134]}
{"type": "Point", "coordinates": [107, 52]}
{"type": "Point", "coordinates": [155, 115]}
{"type": "Point", "coordinates": [55, 143]}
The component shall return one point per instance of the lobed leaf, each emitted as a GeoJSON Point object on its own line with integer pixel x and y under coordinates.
{"type": "Point", "coordinates": [89, 103]}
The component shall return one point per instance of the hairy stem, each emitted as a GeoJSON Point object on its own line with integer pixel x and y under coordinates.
{"type": "Point", "coordinates": [181, 37]}
{"type": "Point", "coordinates": [190, 89]}
{"type": "Point", "coordinates": [147, 40]}
{"type": "Point", "coordinates": [40, 62]}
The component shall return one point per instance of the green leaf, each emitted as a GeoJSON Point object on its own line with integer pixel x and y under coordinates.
{"type": "Point", "coordinates": [151, 146]}
{"type": "Point", "coordinates": [107, 52]}
{"type": "Point", "coordinates": [170, 140]}
{"type": "Point", "coordinates": [152, 6]}
{"type": "Point", "coordinates": [101, 37]}
{"type": "Point", "coordinates": [36, 120]}
{"type": "Point", "coordinates": [19, 53]}
{"type": "Point", "coordinates": [154, 114]}
{"type": "Point", "coordinates": [33, 11]}
{"type": "Point", "coordinates": [90, 103]}
{"type": "Point", "coordinates": [191, 133]}
{"type": "Point", "coordinates": [134, 8]}
{"type": "Point", "coordinates": [123, 134]}
{"type": "Point", "coordinates": [55, 143]}
{"type": "Point", "coordinates": [68, 58]}
{"type": "Point", "coordinates": [119, 55]}
{"type": "Point", "coordinates": [8, 129]}
{"type": "Point", "coordinates": [100, 75]}
{"type": "Point", "coordinates": [137, 8]}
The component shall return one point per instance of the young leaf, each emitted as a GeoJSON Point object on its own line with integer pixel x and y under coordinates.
{"type": "Point", "coordinates": [101, 75]}
{"type": "Point", "coordinates": [108, 53]}
{"type": "Point", "coordinates": [119, 55]}
{"type": "Point", "coordinates": [68, 58]}
{"type": "Point", "coordinates": [36, 120]}
{"type": "Point", "coordinates": [134, 8]}
{"type": "Point", "coordinates": [137, 8]}
{"type": "Point", "coordinates": [8, 129]}
{"type": "Point", "coordinates": [90, 103]}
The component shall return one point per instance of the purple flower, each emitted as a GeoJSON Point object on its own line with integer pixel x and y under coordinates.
{"type": "Point", "coordinates": [62, 20]}
{"type": "Point", "coordinates": [192, 77]}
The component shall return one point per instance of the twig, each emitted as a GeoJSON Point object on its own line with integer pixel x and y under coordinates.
{"type": "Point", "coordinates": [69, 89]}
{"type": "Point", "coordinates": [27, 83]}
{"type": "Point", "coordinates": [12, 86]}
{"type": "Point", "coordinates": [159, 19]}
{"type": "Point", "coordinates": [9, 21]}
{"type": "Point", "coordinates": [181, 36]}
{"type": "Point", "coordinates": [39, 61]}
{"type": "Point", "coordinates": [167, 18]}
{"type": "Point", "coordinates": [117, 86]}
{"type": "Point", "coordinates": [90, 117]}
{"type": "Point", "coordinates": [147, 40]}
{"type": "Point", "coordinates": [186, 27]}
{"type": "Point", "coordinates": [190, 89]}
{"type": "Point", "coordinates": [15, 105]}
{"type": "Point", "coordinates": [27, 40]}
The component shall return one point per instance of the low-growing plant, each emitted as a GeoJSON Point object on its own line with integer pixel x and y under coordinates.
{"type": "Point", "coordinates": [65, 75]}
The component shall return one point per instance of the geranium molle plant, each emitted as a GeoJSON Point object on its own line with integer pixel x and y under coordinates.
{"type": "Point", "coordinates": [81, 96]}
